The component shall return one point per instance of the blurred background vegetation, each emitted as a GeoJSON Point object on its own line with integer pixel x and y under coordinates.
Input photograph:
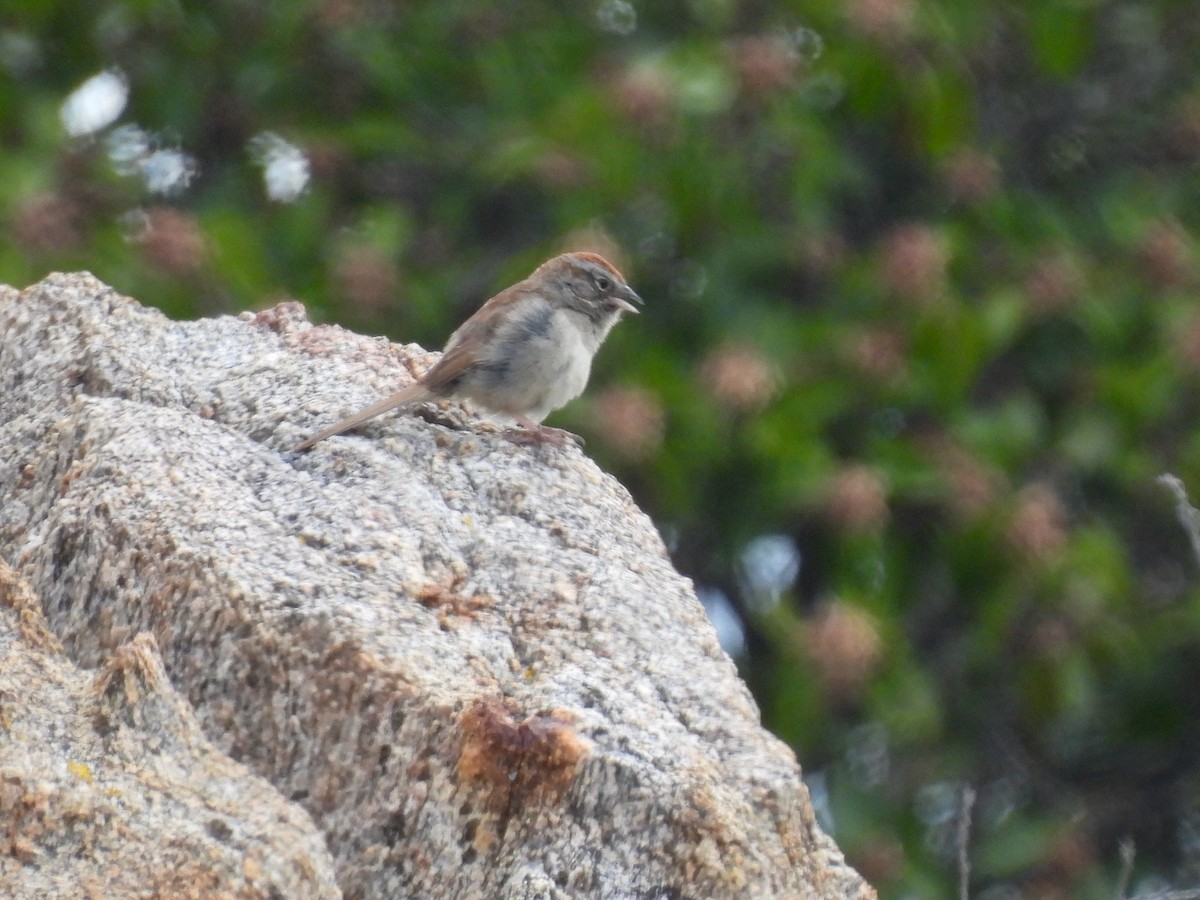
{"type": "Point", "coordinates": [921, 332]}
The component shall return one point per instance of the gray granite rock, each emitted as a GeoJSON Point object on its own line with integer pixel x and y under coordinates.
{"type": "Point", "coordinates": [471, 661]}
{"type": "Point", "coordinates": [109, 789]}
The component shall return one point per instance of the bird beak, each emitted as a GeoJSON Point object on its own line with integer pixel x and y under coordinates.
{"type": "Point", "coordinates": [625, 298]}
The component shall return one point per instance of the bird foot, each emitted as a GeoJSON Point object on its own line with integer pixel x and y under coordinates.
{"type": "Point", "coordinates": [533, 433]}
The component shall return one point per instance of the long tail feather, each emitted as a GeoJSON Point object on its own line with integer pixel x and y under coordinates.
{"type": "Point", "coordinates": [410, 394]}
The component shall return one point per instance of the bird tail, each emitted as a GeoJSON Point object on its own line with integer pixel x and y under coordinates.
{"type": "Point", "coordinates": [410, 394]}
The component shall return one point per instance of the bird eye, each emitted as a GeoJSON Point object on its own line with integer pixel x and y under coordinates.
{"type": "Point", "coordinates": [603, 283]}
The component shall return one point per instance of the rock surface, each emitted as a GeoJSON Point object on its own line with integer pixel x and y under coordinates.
{"type": "Point", "coordinates": [108, 787]}
{"type": "Point", "coordinates": [470, 661]}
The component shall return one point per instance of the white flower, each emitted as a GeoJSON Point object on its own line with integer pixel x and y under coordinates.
{"type": "Point", "coordinates": [285, 167]}
{"type": "Point", "coordinates": [95, 104]}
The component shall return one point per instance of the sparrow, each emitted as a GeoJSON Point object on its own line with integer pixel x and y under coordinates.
{"type": "Point", "coordinates": [527, 351]}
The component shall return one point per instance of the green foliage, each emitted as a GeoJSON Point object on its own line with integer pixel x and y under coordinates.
{"type": "Point", "coordinates": [921, 287]}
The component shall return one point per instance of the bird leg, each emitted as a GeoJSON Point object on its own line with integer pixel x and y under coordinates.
{"type": "Point", "coordinates": [533, 433]}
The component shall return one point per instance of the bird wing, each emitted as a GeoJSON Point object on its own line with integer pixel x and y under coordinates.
{"type": "Point", "coordinates": [466, 346]}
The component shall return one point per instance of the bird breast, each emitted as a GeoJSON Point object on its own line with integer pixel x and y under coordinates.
{"type": "Point", "coordinates": [537, 362]}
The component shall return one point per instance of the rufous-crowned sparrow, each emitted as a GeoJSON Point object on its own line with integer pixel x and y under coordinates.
{"type": "Point", "coordinates": [527, 351]}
